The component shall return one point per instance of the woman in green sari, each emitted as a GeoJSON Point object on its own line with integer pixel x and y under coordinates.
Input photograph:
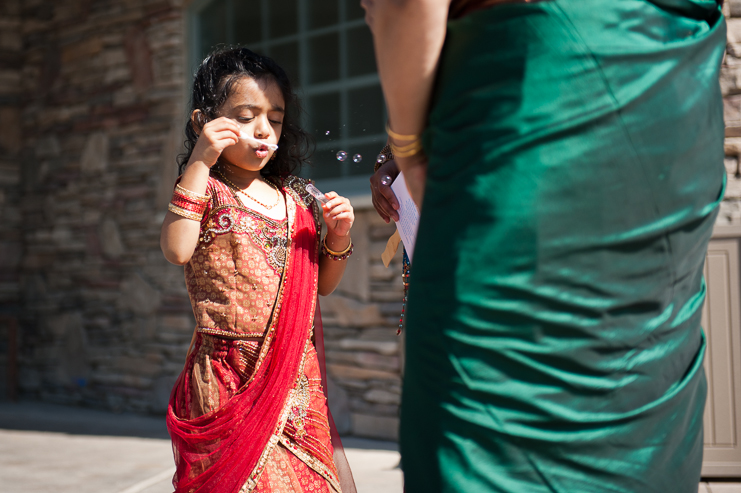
{"type": "Point", "coordinates": [569, 172]}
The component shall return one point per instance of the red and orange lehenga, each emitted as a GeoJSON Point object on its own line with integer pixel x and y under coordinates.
{"type": "Point", "coordinates": [249, 413]}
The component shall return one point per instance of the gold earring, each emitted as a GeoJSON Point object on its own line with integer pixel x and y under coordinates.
{"type": "Point", "coordinates": [272, 158]}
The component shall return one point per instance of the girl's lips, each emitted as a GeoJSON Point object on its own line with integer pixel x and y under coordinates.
{"type": "Point", "coordinates": [261, 152]}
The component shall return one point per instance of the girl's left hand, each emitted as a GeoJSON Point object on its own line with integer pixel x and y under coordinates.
{"type": "Point", "coordinates": [338, 214]}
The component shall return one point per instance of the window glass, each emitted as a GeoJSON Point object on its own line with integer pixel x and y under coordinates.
{"type": "Point", "coordinates": [326, 165]}
{"type": "Point", "coordinates": [323, 13]}
{"type": "Point", "coordinates": [368, 153]}
{"type": "Point", "coordinates": [353, 10]}
{"type": "Point", "coordinates": [324, 116]}
{"type": "Point", "coordinates": [247, 21]}
{"type": "Point", "coordinates": [338, 84]}
{"type": "Point", "coordinates": [366, 110]}
{"type": "Point", "coordinates": [286, 55]}
{"type": "Point", "coordinates": [283, 17]}
{"type": "Point", "coordinates": [324, 58]}
{"type": "Point", "coordinates": [360, 56]}
{"type": "Point", "coordinates": [213, 27]}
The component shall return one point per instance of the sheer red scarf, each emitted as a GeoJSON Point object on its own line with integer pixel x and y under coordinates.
{"type": "Point", "coordinates": [225, 450]}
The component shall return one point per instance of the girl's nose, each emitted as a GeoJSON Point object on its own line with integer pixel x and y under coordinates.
{"type": "Point", "coordinates": [262, 129]}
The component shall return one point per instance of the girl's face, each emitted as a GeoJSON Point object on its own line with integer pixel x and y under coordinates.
{"type": "Point", "coordinates": [259, 108]}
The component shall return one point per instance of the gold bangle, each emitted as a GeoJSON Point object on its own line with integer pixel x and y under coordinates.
{"type": "Point", "coordinates": [408, 150]}
{"type": "Point", "coordinates": [192, 195]}
{"type": "Point", "coordinates": [184, 212]}
{"type": "Point", "coordinates": [336, 254]}
{"type": "Point", "coordinates": [396, 136]}
{"type": "Point", "coordinates": [405, 148]}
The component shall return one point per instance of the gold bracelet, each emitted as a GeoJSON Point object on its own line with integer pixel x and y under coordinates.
{"type": "Point", "coordinates": [184, 212]}
{"type": "Point", "coordinates": [396, 136]}
{"type": "Point", "coordinates": [192, 195]}
{"type": "Point", "coordinates": [407, 150]}
{"type": "Point", "coordinates": [332, 252]}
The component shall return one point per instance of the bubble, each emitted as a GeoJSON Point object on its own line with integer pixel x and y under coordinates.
{"type": "Point", "coordinates": [326, 133]}
{"type": "Point", "coordinates": [380, 158]}
{"type": "Point", "coordinates": [357, 158]}
{"type": "Point", "coordinates": [341, 156]}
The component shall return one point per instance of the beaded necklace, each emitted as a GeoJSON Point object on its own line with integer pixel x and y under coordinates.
{"type": "Point", "coordinates": [236, 188]}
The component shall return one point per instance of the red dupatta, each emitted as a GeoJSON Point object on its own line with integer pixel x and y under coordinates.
{"type": "Point", "coordinates": [226, 449]}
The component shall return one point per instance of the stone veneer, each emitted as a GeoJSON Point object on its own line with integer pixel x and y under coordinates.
{"type": "Point", "coordinates": [11, 243]}
{"type": "Point", "coordinates": [730, 82]}
{"type": "Point", "coordinates": [91, 112]}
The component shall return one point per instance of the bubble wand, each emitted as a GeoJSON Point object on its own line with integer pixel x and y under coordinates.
{"type": "Point", "coordinates": [319, 196]}
{"type": "Point", "coordinates": [244, 136]}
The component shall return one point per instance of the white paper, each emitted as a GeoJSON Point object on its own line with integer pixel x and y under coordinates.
{"type": "Point", "coordinates": [408, 215]}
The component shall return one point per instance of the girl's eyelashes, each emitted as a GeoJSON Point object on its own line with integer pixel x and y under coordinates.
{"type": "Point", "coordinates": [245, 119]}
{"type": "Point", "coordinates": [276, 122]}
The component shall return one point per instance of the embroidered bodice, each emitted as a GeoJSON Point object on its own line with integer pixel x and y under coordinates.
{"type": "Point", "coordinates": [234, 275]}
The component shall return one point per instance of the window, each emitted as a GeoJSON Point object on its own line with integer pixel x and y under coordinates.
{"type": "Point", "coordinates": [327, 50]}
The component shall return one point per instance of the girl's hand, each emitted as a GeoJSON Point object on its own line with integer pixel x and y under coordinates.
{"type": "Point", "coordinates": [215, 136]}
{"type": "Point", "coordinates": [384, 199]}
{"type": "Point", "coordinates": [338, 214]}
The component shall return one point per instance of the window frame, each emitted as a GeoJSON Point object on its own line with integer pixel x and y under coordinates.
{"type": "Point", "coordinates": [355, 186]}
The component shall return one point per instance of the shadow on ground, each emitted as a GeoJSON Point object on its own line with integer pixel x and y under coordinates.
{"type": "Point", "coordinates": [57, 418]}
{"type": "Point", "coordinates": [33, 415]}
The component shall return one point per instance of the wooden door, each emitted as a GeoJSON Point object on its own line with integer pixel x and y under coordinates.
{"type": "Point", "coordinates": [722, 325]}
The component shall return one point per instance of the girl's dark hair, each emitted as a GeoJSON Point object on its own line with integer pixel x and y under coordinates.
{"type": "Point", "coordinates": [212, 86]}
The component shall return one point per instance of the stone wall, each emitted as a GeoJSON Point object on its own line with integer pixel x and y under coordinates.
{"type": "Point", "coordinates": [11, 245]}
{"type": "Point", "coordinates": [730, 81]}
{"type": "Point", "coordinates": [105, 320]}
{"type": "Point", "coordinates": [363, 352]}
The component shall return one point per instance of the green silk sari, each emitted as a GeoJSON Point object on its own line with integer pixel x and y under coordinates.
{"type": "Point", "coordinates": [553, 330]}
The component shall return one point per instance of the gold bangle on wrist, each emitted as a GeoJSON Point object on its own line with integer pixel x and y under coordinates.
{"type": "Point", "coordinates": [336, 253]}
{"type": "Point", "coordinates": [184, 212]}
{"type": "Point", "coordinates": [331, 254]}
{"type": "Point", "coordinates": [407, 150]}
{"type": "Point", "coordinates": [396, 136]}
{"type": "Point", "coordinates": [192, 195]}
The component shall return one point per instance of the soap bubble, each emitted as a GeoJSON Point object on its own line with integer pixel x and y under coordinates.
{"type": "Point", "coordinates": [326, 133]}
{"type": "Point", "coordinates": [380, 158]}
{"type": "Point", "coordinates": [341, 156]}
{"type": "Point", "coordinates": [357, 158]}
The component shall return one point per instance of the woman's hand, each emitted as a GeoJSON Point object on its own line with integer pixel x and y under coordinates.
{"type": "Point", "coordinates": [384, 199]}
{"type": "Point", "coordinates": [215, 136]}
{"type": "Point", "coordinates": [338, 214]}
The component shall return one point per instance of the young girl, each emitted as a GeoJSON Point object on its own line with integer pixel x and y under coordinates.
{"type": "Point", "coordinates": [248, 412]}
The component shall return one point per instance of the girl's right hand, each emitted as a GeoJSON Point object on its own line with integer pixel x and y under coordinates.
{"type": "Point", "coordinates": [215, 136]}
{"type": "Point", "coordinates": [384, 199]}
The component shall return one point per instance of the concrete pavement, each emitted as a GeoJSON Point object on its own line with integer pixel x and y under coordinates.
{"type": "Point", "coordinates": [47, 447]}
